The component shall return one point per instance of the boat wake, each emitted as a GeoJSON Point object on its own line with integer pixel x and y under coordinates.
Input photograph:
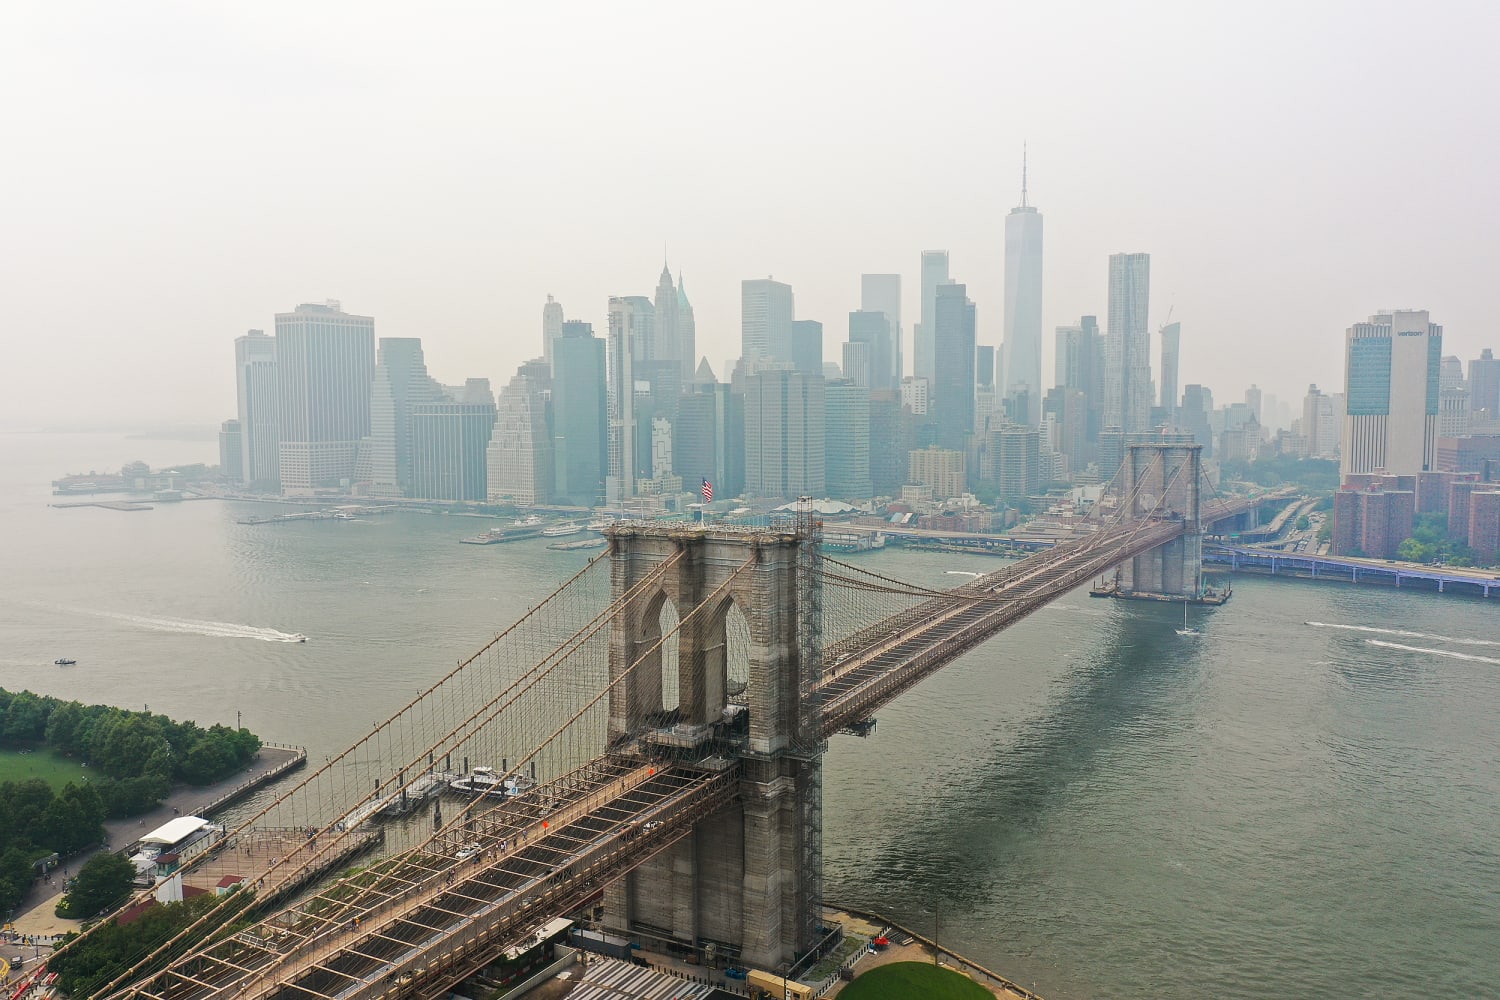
{"type": "Point", "coordinates": [1403, 633]}
{"type": "Point", "coordinates": [1435, 652]}
{"type": "Point", "coordinates": [961, 572]}
{"type": "Point", "coordinates": [216, 630]}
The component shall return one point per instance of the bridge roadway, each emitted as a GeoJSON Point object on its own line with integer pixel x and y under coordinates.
{"type": "Point", "coordinates": [421, 921]}
{"type": "Point", "coordinates": [870, 668]}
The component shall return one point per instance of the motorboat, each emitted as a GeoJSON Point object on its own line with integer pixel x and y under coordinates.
{"type": "Point", "coordinates": [488, 782]}
{"type": "Point", "coordinates": [64, 661]}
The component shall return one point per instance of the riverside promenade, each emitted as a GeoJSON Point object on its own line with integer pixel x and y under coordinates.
{"type": "Point", "coordinates": [35, 914]}
{"type": "Point", "coordinates": [860, 923]}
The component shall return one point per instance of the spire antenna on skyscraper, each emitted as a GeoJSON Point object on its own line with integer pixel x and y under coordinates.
{"type": "Point", "coordinates": [1023, 174]}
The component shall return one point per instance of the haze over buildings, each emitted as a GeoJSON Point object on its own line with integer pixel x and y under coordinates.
{"type": "Point", "coordinates": [446, 232]}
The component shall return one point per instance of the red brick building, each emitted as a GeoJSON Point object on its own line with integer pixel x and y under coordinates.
{"type": "Point", "coordinates": [1458, 508]}
{"type": "Point", "coordinates": [1484, 526]}
{"type": "Point", "coordinates": [1372, 521]}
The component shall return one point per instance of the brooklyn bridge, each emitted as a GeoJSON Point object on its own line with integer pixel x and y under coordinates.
{"type": "Point", "coordinates": [649, 736]}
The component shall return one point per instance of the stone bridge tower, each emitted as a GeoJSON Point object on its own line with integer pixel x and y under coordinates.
{"type": "Point", "coordinates": [1162, 480]}
{"type": "Point", "coordinates": [749, 879]}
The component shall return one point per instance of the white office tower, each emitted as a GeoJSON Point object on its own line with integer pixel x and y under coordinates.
{"type": "Point", "coordinates": [325, 360]}
{"type": "Point", "coordinates": [1127, 348]}
{"type": "Point", "coordinates": [631, 328]}
{"type": "Point", "coordinates": [766, 313]}
{"type": "Point", "coordinates": [934, 273]}
{"type": "Point", "coordinates": [375, 468]}
{"type": "Point", "coordinates": [914, 393]}
{"type": "Point", "coordinates": [1171, 345]}
{"type": "Point", "coordinates": [519, 463]}
{"type": "Point", "coordinates": [1022, 350]}
{"type": "Point", "coordinates": [856, 363]}
{"type": "Point", "coordinates": [1320, 424]}
{"type": "Point", "coordinates": [1392, 375]}
{"type": "Point", "coordinates": [401, 381]}
{"type": "Point", "coordinates": [882, 293]}
{"type": "Point", "coordinates": [552, 321]}
{"type": "Point", "coordinates": [259, 411]}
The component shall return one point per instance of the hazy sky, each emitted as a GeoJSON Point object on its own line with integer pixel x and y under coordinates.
{"type": "Point", "coordinates": [175, 173]}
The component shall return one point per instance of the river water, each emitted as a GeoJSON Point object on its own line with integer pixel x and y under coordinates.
{"type": "Point", "coordinates": [1305, 801]}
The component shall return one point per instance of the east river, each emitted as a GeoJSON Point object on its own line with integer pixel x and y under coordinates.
{"type": "Point", "coordinates": [1305, 801]}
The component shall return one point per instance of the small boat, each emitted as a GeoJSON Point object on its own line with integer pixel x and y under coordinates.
{"type": "Point", "coordinates": [486, 781]}
{"type": "Point", "coordinates": [64, 661]}
{"type": "Point", "coordinates": [563, 530]}
{"type": "Point", "coordinates": [1187, 629]}
{"type": "Point", "coordinates": [299, 637]}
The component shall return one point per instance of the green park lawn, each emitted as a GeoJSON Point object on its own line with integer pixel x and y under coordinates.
{"type": "Point", "coordinates": [19, 765]}
{"type": "Point", "coordinates": [903, 980]}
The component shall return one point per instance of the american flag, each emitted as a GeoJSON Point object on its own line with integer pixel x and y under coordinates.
{"type": "Point", "coordinates": [707, 491]}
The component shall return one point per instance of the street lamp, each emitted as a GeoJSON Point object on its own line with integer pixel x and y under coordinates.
{"type": "Point", "coordinates": [937, 927]}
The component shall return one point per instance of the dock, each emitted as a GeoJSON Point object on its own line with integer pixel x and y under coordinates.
{"type": "Point", "coordinates": [499, 535]}
{"type": "Point", "coordinates": [579, 545]}
{"type": "Point", "coordinates": [402, 800]}
{"type": "Point", "coordinates": [125, 505]}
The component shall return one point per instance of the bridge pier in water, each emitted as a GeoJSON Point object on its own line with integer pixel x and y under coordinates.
{"type": "Point", "coordinates": [748, 878]}
{"type": "Point", "coordinates": [1161, 481]}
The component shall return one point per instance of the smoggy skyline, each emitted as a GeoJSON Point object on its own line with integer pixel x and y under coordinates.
{"type": "Point", "coordinates": [178, 174]}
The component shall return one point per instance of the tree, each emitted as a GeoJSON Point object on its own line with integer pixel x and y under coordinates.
{"type": "Point", "coordinates": [1412, 550]}
{"type": "Point", "coordinates": [135, 795]}
{"type": "Point", "coordinates": [104, 880]}
{"type": "Point", "coordinates": [1304, 523]}
{"type": "Point", "coordinates": [15, 876]}
{"type": "Point", "coordinates": [25, 719]}
{"type": "Point", "coordinates": [73, 821]}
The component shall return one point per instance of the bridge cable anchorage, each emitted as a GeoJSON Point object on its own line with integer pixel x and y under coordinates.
{"type": "Point", "coordinates": [330, 843]}
{"type": "Point", "coordinates": [302, 910]}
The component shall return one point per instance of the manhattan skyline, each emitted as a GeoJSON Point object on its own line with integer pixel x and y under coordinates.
{"type": "Point", "coordinates": [186, 191]}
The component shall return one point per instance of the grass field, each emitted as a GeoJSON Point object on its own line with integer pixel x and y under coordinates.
{"type": "Point", "coordinates": [905, 980]}
{"type": "Point", "coordinates": [18, 765]}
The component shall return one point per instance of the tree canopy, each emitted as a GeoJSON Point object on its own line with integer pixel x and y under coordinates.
{"type": "Point", "coordinates": [136, 756]}
{"type": "Point", "coordinates": [1429, 542]}
{"type": "Point", "coordinates": [85, 967]}
{"type": "Point", "coordinates": [1315, 474]}
{"type": "Point", "coordinates": [104, 880]}
{"type": "Point", "coordinates": [143, 752]}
